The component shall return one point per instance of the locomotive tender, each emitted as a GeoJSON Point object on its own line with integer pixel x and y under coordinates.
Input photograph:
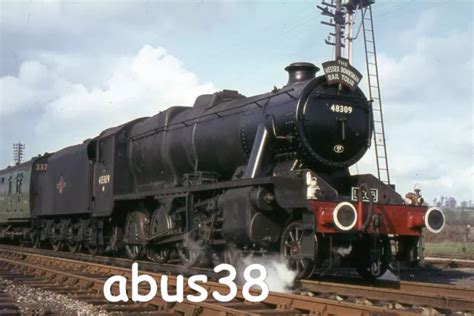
{"type": "Point", "coordinates": [230, 176]}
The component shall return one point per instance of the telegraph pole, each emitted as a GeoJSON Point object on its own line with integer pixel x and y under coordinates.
{"type": "Point", "coordinates": [341, 17]}
{"type": "Point", "coordinates": [338, 19]}
{"type": "Point", "coordinates": [349, 22]}
{"type": "Point", "coordinates": [341, 14]}
{"type": "Point", "coordinates": [18, 153]}
{"type": "Point", "coordinates": [334, 11]}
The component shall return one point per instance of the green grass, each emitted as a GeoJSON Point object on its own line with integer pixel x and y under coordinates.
{"type": "Point", "coordinates": [447, 249]}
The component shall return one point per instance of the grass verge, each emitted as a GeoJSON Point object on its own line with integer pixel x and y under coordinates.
{"type": "Point", "coordinates": [447, 249]}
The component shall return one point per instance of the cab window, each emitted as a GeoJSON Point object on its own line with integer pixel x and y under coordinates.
{"type": "Point", "coordinates": [105, 150]}
{"type": "Point", "coordinates": [19, 184]}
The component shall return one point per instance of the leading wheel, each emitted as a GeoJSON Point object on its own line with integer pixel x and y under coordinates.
{"type": "Point", "coordinates": [291, 242]}
{"type": "Point", "coordinates": [373, 256]}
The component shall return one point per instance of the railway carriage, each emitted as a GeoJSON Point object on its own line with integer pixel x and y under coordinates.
{"type": "Point", "coordinates": [232, 176]}
{"type": "Point", "coordinates": [15, 200]}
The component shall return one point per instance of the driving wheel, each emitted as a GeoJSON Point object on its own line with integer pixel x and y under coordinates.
{"type": "Point", "coordinates": [291, 243]}
{"type": "Point", "coordinates": [136, 228]}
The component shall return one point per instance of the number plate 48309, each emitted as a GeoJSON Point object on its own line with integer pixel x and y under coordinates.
{"type": "Point", "coordinates": [339, 108]}
{"type": "Point", "coordinates": [365, 196]}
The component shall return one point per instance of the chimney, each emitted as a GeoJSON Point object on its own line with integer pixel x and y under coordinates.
{"type": "Point", "coordinates": [300, 72]}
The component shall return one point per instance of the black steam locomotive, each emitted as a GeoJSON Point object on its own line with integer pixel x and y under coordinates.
{"type": "Point", "coordinates": [254, 175]}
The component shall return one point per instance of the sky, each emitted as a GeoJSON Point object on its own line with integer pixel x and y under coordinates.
{"type": "Point", "coordinates": [70, 69]}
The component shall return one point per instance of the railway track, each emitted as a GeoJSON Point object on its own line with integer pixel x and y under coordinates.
{"type": "Point", "coordinates": [8, 306]}
{"type": "Point", "coordinates": [417, 294]}
{"type": "Point", "coordinates": [449, 262]}
{"type": "Point", "coordinates": [84, 281]}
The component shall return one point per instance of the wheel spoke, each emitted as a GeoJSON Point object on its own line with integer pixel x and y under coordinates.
{"type": "Point", "coordinates": [301, 236]}
{"type": "Point", "coordinates": [303, 265]}
{"type": "Point", "coordinates": [291, 236]}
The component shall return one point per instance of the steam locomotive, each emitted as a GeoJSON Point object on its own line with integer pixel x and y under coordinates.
{"type": "Point", "coordinates": [230, 176]}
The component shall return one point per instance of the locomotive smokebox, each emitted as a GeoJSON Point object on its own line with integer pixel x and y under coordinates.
{"type": "Point", "coordinates": [300, 72]}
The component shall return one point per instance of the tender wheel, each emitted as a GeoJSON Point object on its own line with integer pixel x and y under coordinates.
{"type": "Point", "coordinates": [135, 233]}
{"type": "Point", "coordinates": [57, 245]}
{"type": "Point", "coordinates": [291, 247]}
{"type": "Point", "coordinates": [36, 243]}
{"type": "Point", "coordinates": [73, 247]}
{"type": "Point", "coordinates": [94, 249]}
{"type": "Point", "coordinates": [373, 256]}
{"type": "Point", "coordinates": [92, 246]}
{"type": "Point", "coordinates": [35, 240]}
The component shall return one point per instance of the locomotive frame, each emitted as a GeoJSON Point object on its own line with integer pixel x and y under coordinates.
{"type": "Point", "coordinates": [230, 176]}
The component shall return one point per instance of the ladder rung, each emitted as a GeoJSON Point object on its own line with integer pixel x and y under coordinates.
{"type": "Point", "coordinates": [371, 63]}
{"type": "Point", "coordinates": [370, 30]}
{"type": "Point", "coordinates": [369, 41]}
{"type": "Point", "coordinates": [369, 52]}
{"type": "Point", "coordinates": [377, 121]}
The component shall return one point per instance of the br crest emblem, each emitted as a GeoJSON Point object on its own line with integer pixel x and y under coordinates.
{"type": "Point", "coordinates": [61, 185]}
{"type": "Point", "coordinates": [338, 149]}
